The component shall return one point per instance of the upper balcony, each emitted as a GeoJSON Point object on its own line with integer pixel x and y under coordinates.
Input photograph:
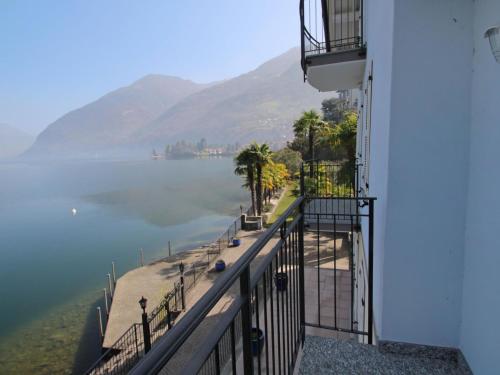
{"type": "Point", "coordinates": [332, 44]}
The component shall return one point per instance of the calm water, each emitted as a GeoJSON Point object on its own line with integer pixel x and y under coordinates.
{"type": "Point", "coordinates": [54, 264]}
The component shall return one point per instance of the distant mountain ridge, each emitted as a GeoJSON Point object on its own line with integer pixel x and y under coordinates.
{"type": "Point", "coordinates": [13, 141]}
{"type": "Point", "coordinates": [155, 110]}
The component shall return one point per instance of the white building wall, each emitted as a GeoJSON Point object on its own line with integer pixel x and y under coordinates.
{"type": "Point", "coordinates": [479, 339]}
{"type": "Point", "coordinates": [421, 183]}
{"type": "Point", "coordinates": [378, 29]}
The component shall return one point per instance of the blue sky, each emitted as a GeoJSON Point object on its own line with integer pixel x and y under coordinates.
{"type": "Point", "coordinates": [59, 55]}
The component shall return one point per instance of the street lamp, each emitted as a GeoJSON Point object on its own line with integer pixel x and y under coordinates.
{"type": "Point", "coordinates": [145, 325]}
{"type": "Point", "coordinates": [142, 302]}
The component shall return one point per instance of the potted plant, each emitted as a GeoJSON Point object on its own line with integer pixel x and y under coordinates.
{"type": "Point", "coordinates": [281, 281]}
{"type": "Point", "coordinates": [220, 265]}
{"type": "Point", "coordinates": [236, 242]}
{"type": "Point", "coordinates": [257, 338]}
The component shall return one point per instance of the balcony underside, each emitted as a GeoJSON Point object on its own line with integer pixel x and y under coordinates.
{"type": "Point", "coordinates": [336, 71]}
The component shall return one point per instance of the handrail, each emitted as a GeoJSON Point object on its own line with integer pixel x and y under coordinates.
{"type": "Point", "coordinates": [167, 346]}
{"type": "Point", "coordinates": [110, 350]}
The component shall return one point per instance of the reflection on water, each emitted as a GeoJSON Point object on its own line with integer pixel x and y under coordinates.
{"type": "Point", "coordinates": [54, 263]}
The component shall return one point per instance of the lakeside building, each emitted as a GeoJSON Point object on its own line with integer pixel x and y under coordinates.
{"type": "Point", "coordinates": [404, 263]}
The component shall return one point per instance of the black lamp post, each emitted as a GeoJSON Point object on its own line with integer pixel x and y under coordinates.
{"type": "Point", "coordinates": [145, 325]}
{"type": "Point", "coordinates": [181, 270]}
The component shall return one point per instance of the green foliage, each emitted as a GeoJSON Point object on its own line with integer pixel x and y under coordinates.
{"type": "Point", "coordinates": [333, 109]}
{"type": "Point", "coordinates": [342, 138]}
{"type": "Point", "coordinates": [292, 159]}
{"type": "Point", "coordinates": [290, 195]}
{"type": "Point", "coordinates": [262, 156]}
{"type": "Point", "coordinates": [262, 175]}
{"type": "Point", "coordinates": [245, 166]}
{"type": "Point", "coordinates": [307, 128]}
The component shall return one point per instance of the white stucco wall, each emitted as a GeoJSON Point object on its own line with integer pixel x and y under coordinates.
{"type": "Point", "coordinates": [426, 171]}
{"type": "Point", "coordinates": [378, 29]}
{"type": "Point", "coordinates": [479, 338]}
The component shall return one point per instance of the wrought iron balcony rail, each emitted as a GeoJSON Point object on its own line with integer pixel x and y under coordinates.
{"type": "Point", "coordinates": [330, 26]}
{"type": "Point", "coordinates": [255, 294]}
{"type": "Point", "coordinates": [266, 305]}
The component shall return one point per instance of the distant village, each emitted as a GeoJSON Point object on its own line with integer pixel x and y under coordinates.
{"type": "Point", "coordinates": [187, 150]}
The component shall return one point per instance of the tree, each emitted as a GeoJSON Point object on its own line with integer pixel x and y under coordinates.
{"type": "Point", "coordinates": [343, 136]}
{"type": "Point", "coordinates": [261, 156]}
{"type": "Point", "coordinates": [309, 126]}
{"type": "Point", "coordinates": [274, 176]}
{"type": "Point", "coordinates": [334, 109]}
{"type": "Point", "coordinates": [202, 144]}
{"type": "Point", "coordinates": [290, 158]}
{"type": "Point", "coordinates": [245, 166]}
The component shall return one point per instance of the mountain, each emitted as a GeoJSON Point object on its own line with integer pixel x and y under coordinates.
{"type": "Point", "coordinates": [13, 141]}
{"type": "Point", "coordinates": [111, 121]}
{"type": "Point", "coordinates": [259, 105]}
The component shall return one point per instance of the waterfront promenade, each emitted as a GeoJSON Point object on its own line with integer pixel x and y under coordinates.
{"type": "Point", "coordinates": [156, 279]}
{"type": "Point", "coordinates": [152, 281]}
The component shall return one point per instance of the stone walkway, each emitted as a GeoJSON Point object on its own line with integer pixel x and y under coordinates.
{"type": "Point", "coordinates": [152, 281]}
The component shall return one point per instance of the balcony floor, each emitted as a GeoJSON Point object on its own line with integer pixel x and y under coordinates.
{"type": "Point", "coordinates": [323, 355]}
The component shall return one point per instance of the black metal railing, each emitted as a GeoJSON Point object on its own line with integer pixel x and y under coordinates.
{"type": "Point", "coordinates": [330, 26]}
{"type": "Point", "coordinates": [163, 316]}
{"type": "Point", "coordinates": [331, 179]}
{"type": "Point", "coordinates": [265, 288]}
{"type": "Point", "coordinates": [312, 268]}
{"type": "Point", "coordinates": [338, 255]}
{"type": "Point", "coordinates": [126, 351]}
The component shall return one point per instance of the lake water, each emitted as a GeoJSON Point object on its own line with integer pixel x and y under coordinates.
{"type": "Point", "coordinates": [53, 264]}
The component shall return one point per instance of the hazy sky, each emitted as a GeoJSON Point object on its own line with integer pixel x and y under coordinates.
{"type": "Point", "coordinates": [59, 55]}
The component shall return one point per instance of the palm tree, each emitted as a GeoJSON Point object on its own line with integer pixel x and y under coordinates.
{"type": "Point", "coordinates": [261, 156]}
{"type": "Point", "coordinates": [308, 126]}
{"type": "Point", "coordinates": [343, 137]}
{"type": "Point", "coordinates": [245, 166]}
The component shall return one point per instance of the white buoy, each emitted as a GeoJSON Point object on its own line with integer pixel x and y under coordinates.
{"type": "Point", "coordinates": [73, 211]}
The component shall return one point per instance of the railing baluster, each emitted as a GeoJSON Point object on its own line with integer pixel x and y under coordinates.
{"type": "Point", "coordinates": [288, 326]}
{"type": "Point", "coordinates": [335, 270]}
{"type": "Point", "coordinates": [264, 296]}
{"type": "Point", "coordinates": [319, 268]}
{"type": "Point", "coordinates": [278, 337]}
{"type": "Point", "coordinates": [283, 327]}
{"type": "Point", "coordinates": [246, 321]}
{"type": "Point", "coordinates": [351, 269]}
{"type": "Point", "coordinates": [271, 301]}
{"type": "Point", "coordinates": [301, 261]}
{"type": "Point", "coordinates": [233, 348]}
{"type": "Point", "coordinates": [370, 272]}
{"type": "Point", "coordinates": [257, 325]}
{"type": "Point", "coordinates": [217, 359]}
